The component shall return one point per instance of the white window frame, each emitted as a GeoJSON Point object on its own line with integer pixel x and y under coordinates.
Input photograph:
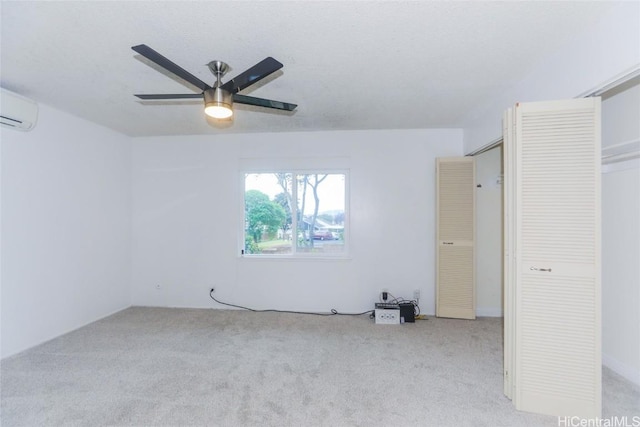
{"type": "Point", "coordinates": [344, 254]}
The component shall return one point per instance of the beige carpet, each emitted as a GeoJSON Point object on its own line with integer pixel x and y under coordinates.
{"type": "Point", "coordinates": [180, 367]}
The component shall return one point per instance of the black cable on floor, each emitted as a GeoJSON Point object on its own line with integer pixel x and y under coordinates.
{"type": "Point", "coordinates": [333, 312]}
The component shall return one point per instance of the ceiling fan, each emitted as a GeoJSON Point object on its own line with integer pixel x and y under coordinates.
{"type": "Point", "coordinates": [219, 98]}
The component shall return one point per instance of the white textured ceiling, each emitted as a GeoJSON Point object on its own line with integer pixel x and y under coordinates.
{"type": "Point", "coordinates": [348, 65]}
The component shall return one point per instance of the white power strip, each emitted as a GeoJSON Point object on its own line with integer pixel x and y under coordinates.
{"type": "Point", "coordinates": [385, 316]}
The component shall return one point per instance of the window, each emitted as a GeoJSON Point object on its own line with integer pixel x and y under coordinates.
{"type": "Point", "coordinates": [295, 213]}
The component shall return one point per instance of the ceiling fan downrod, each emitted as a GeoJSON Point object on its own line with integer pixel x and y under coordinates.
{"type": "Point", "coordinates": [219, 69]}
{"type": "Point", "coordinates": [218, 101]}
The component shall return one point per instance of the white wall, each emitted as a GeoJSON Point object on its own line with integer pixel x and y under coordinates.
{"type": "Point", "coordinates": [186, 220]}
{"type": "Point", "coordinates": [610, 48]}
{"type": "Point", "coordinates": [621, 239]}
{"type": "Point", "coordinates": [65, 228]}
{"type": "Point", "coordinates": [489, 233]}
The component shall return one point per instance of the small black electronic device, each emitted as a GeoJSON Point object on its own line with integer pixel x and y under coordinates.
{"type": "Point", "coordinates": [407, 312]}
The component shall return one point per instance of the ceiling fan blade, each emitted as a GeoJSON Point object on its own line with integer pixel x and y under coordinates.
{"type": "Point", "coordinates": [172, 96]}
{"type": "Point", "coordinates": [154, 56]}
{"type": "Point", "coordinates": [260, 102]}
{"type": "Point", "coordinates": [254, 74]}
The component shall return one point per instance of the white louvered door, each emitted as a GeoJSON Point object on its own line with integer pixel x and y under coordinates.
{"type": "Point", "coordinates": [557, 258]}
{"type": "Point", "coordinates": [455, 281]}
{"type": "Point", "coordinates": [509, 233]}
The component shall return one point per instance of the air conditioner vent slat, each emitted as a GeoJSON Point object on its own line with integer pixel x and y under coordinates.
{"type": "Point", "coordinates": [17, 112]}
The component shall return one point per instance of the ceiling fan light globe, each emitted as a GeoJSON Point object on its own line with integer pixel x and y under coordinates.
{"type": "Point", "coordinates": [218, 111]}
{"type": "Point", "coordinates": [217, 103]}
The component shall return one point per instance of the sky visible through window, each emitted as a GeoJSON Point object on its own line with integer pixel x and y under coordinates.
{"type": "Point", "coordinates": [330, 192]}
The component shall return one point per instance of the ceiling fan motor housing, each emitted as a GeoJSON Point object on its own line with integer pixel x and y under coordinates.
{"type": "Point", "coordinates": [217, 96]}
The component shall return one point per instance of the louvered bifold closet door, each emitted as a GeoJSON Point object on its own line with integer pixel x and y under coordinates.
{"type": "Point", "coordinates": [557, 312]}
{"type": "Point", "coordinates": [509, 263]}
{"type": "Point", "coordinates": [455, 281]}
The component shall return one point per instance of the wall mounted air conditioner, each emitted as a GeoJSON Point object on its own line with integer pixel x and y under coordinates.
{"type": "Point", "coordinates": [16, 111]}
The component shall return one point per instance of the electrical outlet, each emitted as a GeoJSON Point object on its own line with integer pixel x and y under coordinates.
{"type": "Point", "coordinates": [416, 294]}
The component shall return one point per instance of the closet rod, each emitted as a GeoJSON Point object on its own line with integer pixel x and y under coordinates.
{"type": "Point", "coordinates": [614, 83]}
{"type": "Point", "coordinates": [609, 85]}
{"type": "Point", "coordinates": [490, 146]}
